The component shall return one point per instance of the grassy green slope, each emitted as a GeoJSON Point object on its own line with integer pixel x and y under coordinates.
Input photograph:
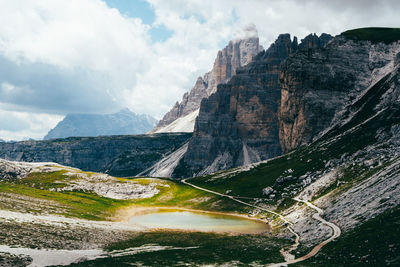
{"type": "Point", "coordinates": [375, 35]}
{"type": "Point", "coordinates": [37, 193]}
{"type": "Point", "coordinates": [28, 194]}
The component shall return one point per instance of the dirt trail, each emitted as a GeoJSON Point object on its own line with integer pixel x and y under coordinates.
{"type": "Point", "coordinates": [289, 258]}
{"type": "Point", "coordinates": [317, 248]}
{"type": "Point", "coordinates": [284, 251]}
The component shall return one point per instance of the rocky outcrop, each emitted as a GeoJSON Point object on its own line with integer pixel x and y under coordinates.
{"type": "Point", "coordinates": [238, 124]}
{"type": "Point", "coordinates": [122, 122]}
{"type": "Point", "coordinates": [313, 41]}
{"type": "Point", "coordinates": [106, 186]}
{"type": "Point", "coordinates": [115, 155]}
{"type": "Point", "coordinates": [317, 84]}
{"type": "Point", "coordinates": [12, 170]}
{"type": "Point", "coordinates": [237, 53]}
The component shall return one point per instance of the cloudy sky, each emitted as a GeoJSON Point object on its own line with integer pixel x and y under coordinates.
{"type": "Point", "coordinates": [98, 56]}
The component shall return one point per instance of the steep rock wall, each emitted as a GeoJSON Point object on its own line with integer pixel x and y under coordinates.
{"type": "Point", "coordinates": [317, 85]}
{"type": "Point", "coordinates": [238, 124]}
{"type": "Point", "coordinates": [116, 155]}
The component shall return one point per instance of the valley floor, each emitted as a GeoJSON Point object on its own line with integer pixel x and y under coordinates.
{"type": "Point", "coordinates": [56, 215]}
{"type": "Point", "coordinates": [49, 218]}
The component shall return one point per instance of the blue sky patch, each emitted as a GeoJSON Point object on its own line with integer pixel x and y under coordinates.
{"type": "Point", "coordinates": [134, 9]}
{"type": "Point", "coordinates": [143, 10]}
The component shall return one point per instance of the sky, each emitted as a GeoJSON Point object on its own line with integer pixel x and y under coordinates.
{"type": "Point", "coordinates": [99, 56]}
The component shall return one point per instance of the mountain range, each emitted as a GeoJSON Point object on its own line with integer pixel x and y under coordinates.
{"type": "Point", "coordinates": [305, 137]}
{"type": "Point", "coordinates": [273, 102]}
{"type": "Point", "coordinates": [286, 97]}
{"type": "Point", "coordinates": [120, 123]}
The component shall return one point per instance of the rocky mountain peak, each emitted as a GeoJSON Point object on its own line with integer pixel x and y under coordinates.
{"type": "Point", "coordinates": [313, 41]}
{"type": "Point", "coordinates": [239, 123]}
{"type": "Point", "coordinates": [239, 52]}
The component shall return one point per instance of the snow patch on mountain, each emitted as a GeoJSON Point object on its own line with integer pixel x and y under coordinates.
{"type": "Point", "coordinates": [183, 124]}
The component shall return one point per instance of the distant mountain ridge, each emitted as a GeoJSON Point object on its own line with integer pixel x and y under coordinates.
{"type": "Point", "coordinates": [121, 123]}
{"type": "Point", "coordinates": [117, 155]}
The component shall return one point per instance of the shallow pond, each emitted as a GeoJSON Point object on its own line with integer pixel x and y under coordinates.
{"type": "Point", "coordinates": [199, 221]}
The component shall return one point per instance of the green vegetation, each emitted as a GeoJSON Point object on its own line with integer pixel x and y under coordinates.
{"type": "Point", "coordinates": [250, 183]}
{"type": "Point", "coordinates": [203, 248]}
{"type": "Point", "coordinates": [44, 180]}
{"type": "Point", "coordinates": [375, 35]}
{"type": "Point", "coordinates": [71, 204]}
{"type": "Point", "coordinates": [175, 194]}
{"type": "Point", "coordinates": [278, 173]}
{"type": "Point", "coordinates": [374, 243]}
{"type": "Point", "coordinates": [42, 186]}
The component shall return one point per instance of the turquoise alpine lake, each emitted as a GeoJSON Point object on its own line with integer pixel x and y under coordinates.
{"type": "Point", "coordinates": [199, 221]}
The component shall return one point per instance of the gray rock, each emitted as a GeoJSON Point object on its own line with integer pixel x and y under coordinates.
{"type": "Point", "coordinates": [11, 170]}
{"type": "Point", "coordinates": [116, 155]}
{"type": "Point", "coordinates": [268, 190]}
{"type": "Point", "coordinates": [238, 124]}
{"type": "Point", "coordinates": [317, 84]}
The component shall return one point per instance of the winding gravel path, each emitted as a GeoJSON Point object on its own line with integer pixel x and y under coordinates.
{"type": "Point", "coordinates": [284, 251]}
{"type": "Point", "coordinates": [289, 258]}
{"type": "Point", "coordinates": [317, 248]}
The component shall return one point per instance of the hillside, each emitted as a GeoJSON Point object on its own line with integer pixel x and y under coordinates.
{"type": "Point", "coordinates": [351, 173]}
{"type": "Point", "coordinates": [374, 35]}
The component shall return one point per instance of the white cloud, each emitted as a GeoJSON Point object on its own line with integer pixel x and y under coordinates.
{"type": "Point", "coordinates": [78, 38]}
{"type": "Point", "coordinates": [84, 33]}
{"type": "Point", "coordinates": [24, 125]}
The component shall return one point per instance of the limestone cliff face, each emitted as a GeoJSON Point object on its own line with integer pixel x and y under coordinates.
{"type": "Point", "coordinates": [313, 41]}
{"type": "Point", "coordinates": [317, 84]}
{"type": "Point", "coordinates": [238, 124]}
{"type": "Point", "coordinates": [116, 155]}
{"type": "Point", "coordinates": [236, 54]}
